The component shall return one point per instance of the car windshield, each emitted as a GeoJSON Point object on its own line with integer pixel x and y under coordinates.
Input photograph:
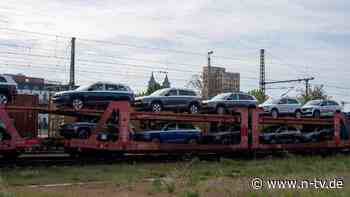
{"type": "Point", "coordinates": [83, 88]}
{"type": "Point", "coordinates": [271, 101]}
{"type": "Point", "coordinates": [313, 103]}
{"type": "Point", "coordinates": [221, 96]}
{"type": "Point", "coordinates": [160, 92]}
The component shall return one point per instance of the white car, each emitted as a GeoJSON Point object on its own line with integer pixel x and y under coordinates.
{"type": "Point", "coordinates": [284, 105]}
{"type": "Point", "coordinates": [318, 108]}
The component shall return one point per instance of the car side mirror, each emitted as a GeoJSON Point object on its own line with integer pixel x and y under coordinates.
{"type": "Point", "coordinates": [167, 94]}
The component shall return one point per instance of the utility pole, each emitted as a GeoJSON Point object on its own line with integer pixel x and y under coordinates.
{"type": "Point", "coordinates": [262, 82]}
{"type": "Point", "coordinates": [307, 83]}
{"type": "Point", "coordinates": [209, 75]}
{"type": "Point", "coordinates": [307, 86]}
{"type": "Point", "coordinates": [72, 64]}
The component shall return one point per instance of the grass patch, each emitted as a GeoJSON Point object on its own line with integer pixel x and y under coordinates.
{"type": "Point", "coordinates": [194, 178]}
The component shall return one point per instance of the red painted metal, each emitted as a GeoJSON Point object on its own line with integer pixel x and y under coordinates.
{"type": "Point", "coordinates": [258, 121]}
{"type": "Point", "coordinates": [126, 144]}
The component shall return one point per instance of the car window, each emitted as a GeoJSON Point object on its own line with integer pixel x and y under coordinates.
{"type": "Point", "coordinates": [172, 93]}
{"type": "Point", "coordinates": [245, 97]}
{"type": "Point", "coordinates": [232, 97]}
{"type": "Point", "coordinates": [185, 126]}
{"type": "Point", "coordinates": [283, 101]}
{"type": "Point", "coordinates": [186, 93]}
{"type": "Point", "coordinates": [292, 101]}
{"type": "Point", "coordinates": [282, 129]}
{"type": "Point", "coordinates": [324, 103]}
{"type": "Point", "coordinates": [115, 87]}
{"type": "Point", "coordinates": [96, 87]}
{"type": "Point", "coordinates": [2, 79]}
{"type": "Point", "coordinates": [291, 129]}
{"type": "Point", "coordinates": [332, 103]}
{"type": "Point", "coordinates": [170, 127]}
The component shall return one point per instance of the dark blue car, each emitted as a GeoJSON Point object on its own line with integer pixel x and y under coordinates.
{"type": "Point", "coordinates": [183, 133]}
{"type": "Point", "coordinates": [95, 94]}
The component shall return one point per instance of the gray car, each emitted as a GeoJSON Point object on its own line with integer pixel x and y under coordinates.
{"type": "Point", "coordinates": [318, 108]}
{"type": "Point", "coordinates": [284, 105]}
{"type": "Point", "coordinates": [222, 102]}
{"type": "Point", "coordinates": [173, 99]}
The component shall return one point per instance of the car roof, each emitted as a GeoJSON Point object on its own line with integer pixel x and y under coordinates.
{"type": "Point", "coordinates": [110, 83]}
{"type": "Point", "coordinates": [9, 79]}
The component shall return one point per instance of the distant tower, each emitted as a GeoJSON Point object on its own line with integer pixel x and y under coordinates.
{"type": "Point", "coordinates": [166, 83]}
{"type": "Point", "coordinates": [152, 81]}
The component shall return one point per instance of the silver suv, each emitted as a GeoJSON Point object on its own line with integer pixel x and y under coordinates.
{"type": "Point", "coordinates": [283, 105]}
{"type": "Point", "coordinates": [318, 108]}
{"type": "Point", "coordinates": [174, 99]}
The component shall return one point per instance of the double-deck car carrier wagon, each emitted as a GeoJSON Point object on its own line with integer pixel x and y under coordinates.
{"type": "Point", "coordinates": [250, 121]}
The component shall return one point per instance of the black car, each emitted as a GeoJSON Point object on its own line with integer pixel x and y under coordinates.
{"type": "Point", "coordinates": [83, 130]}
{"type": "Point", "coordinates": [222, 102]}
{"type": "Point", "coordinates": [318, 135]}
{"type": "Point", "coordinates": [96, 94]}
{"type": "Point", "coordinates": [173, 99]}
{"type": "Point", "coordinates": [280, 135]}
{"type": "Point", "coordinates": [222, 135]}
{"type": "Point", "coordinates": [8, 89]}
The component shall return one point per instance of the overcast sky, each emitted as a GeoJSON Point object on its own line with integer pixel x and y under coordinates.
{"type": "Point", "coordinates": [301, 38]}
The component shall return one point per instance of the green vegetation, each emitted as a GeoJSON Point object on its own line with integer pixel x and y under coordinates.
{"type": "Point", "coordinates": [259, 95]}
{"type": "Point", "coordinates": [193, 179]}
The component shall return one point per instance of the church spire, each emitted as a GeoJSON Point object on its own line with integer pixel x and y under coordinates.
{"type": "Point", "coordinates": [166, 83]}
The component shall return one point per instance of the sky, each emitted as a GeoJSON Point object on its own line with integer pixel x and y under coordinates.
{"type": "Point", "coordinates": [125, 40]}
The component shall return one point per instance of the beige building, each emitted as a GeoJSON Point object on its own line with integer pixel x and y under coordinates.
{"type": "Point", "coordinates": [221, 81]}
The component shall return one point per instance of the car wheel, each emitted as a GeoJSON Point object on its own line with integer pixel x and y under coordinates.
{"type": "Point", "coordinates": [3, 99]}
{"type": "Point", "coordinates": [220, 110]}
{"type": "Point", "coordinates": [274, 113]}
{"type": "Point", "coordinates": [156, 107]}
{"type": "Point", "coordinates": [298, 114]}
{"type": "Point", "coordinates": [155, 140]}
{"type": "Point", "coordinates": [84, 133]}
{"type": "Point", "coordinates": [194, 109]}
{"type": "Point", "coordinates": [317, 114]}
{"type": "Point", "coordinates": [77, 104]}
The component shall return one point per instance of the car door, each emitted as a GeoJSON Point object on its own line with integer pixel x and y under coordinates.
{"type": "Point", "coordinates": [324, 108]}
{"type": "Point", "coordinates": [183, 99]}
{"type": "Point", "coordinates": [293, 105]}
{"type": "Point", "coordinates": [333, 107]}
{"type": "Point", "coordinates": [281, 134]}
{"type": "Point", "coordinates": [168, 133]}
{"type": "Point", "coordinates": [283, 105]}
{"type": "Point", "coordinates": [170, 99]}
{"type": "Point", "coordinates": [244, 100]}
{"type": "Point", "coordinates": [232, 100]}
{"type": "Point", "coordinates": [95, 94]}
{"type": "Point", "coordinates": [185, 131]}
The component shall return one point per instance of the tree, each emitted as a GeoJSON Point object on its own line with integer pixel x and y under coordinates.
{"type": "Point", "coordinates": [196, 83]}
{"type": "Point", "coordinates": [317, 92]}
{"type": "Point", "coordinates": [153, 88]}
{"type": "Point", "coordinates": [259, 95]}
